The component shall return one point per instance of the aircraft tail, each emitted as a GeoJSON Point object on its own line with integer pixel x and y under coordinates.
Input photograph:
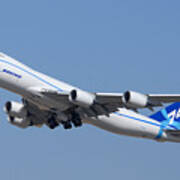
{"type": "Point", "coordinates": [169, 116]}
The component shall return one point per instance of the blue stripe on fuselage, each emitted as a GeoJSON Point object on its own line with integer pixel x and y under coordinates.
{"type": "Point", "coordinates": [32, 74]}
{"type": "Point", "coordinates": [142, 120]}
{"type": "Point", "coordinates": [137, 119]}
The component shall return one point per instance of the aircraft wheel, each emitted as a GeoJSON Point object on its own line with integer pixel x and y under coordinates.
{"type": "Point", "coordinates": [76, 119]}
{"type": "Point", "coordinates": [11, 118]}
{"type": "Point", "coordinates": [67, 125]}
{"type": "Point", "coordinates": [52, 123]}
{"type": "Point", "coordinates": [77, 122]}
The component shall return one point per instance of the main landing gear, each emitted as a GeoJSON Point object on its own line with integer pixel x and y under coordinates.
{"type": "Point", "coordinates": [67, 124]}
{"type": "Point", "coordinates": [52, 123]}
{"type": "Point", "coordinates": [74, 119]}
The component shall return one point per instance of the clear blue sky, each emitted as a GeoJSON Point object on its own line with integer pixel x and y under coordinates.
{"type": "Point", "coordinates": [98, 45]}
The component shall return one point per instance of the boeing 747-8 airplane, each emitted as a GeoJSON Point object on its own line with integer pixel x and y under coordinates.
{"type": "Point", "coordinates": [51, 102]}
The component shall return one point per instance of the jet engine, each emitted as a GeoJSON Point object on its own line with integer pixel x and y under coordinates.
{"type": "Point", "coordinates": [17, 114]}
{"type": "Point", "coordinates": [135, 100]}
{"type": "Point", "coordinates": [19, 122]}
{"type": "Point", "coordinates": [15, 109]}
{"type": "Point", "coordinates": [82, 98]}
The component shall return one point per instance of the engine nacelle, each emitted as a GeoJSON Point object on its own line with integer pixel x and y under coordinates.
{"type": "Point", "coordinates": [135, 99]}
{"type": "Point", "coordinates": [15, 109]}
{"type": "Point", "coordinates": [19, 122]}
{"type": "Point", "coordinates": [82, 98]}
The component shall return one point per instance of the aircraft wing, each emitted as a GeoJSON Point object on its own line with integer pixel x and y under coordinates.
{"type": "Point", "coordinates": [157, 99]}
{"type": "Point", "coordinates": [165, 98]}
{"type": "Point", "coordinates": [58, 96]}
{"type": "Point", "coordinates": [102, 98]}
{"type": "Point", "coordinates": [106, 103]}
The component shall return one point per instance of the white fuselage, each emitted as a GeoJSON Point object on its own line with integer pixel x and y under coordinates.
{"type": "Point", "coordinates": [26, 82]}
